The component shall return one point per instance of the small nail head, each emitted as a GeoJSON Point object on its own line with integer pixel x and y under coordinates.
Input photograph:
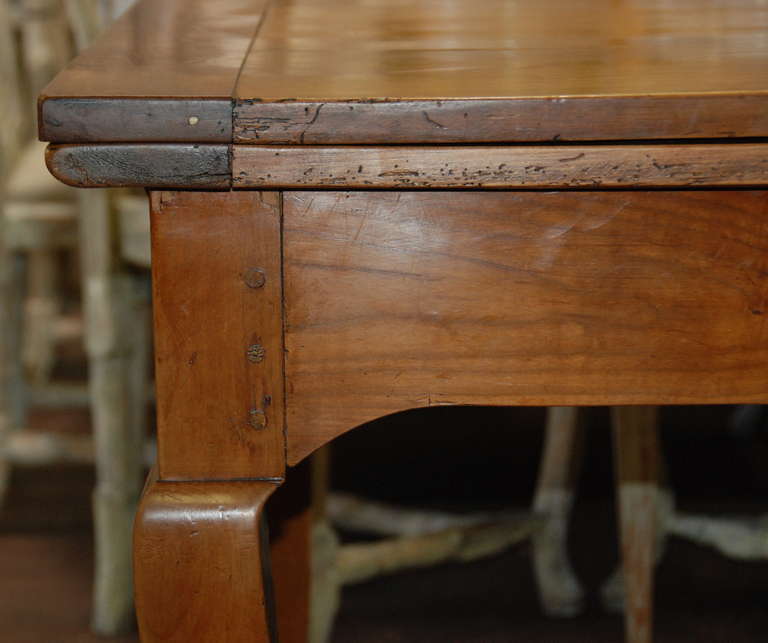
{"type": "Point", "coordinates": [256, 353]}
{"type": "Point", "coordinates": [257, 419]}
{"type": "Point", "coordinates": [254, 277]}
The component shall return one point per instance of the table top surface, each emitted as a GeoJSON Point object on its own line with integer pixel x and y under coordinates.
{"type": "Point", "coordinates": [316, 52]}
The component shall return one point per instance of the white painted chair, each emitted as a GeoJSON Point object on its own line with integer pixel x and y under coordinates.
{"type": "Point", "coordinates": [40, 217]}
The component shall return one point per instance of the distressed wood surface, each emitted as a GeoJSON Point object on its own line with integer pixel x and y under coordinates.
{"type": "Point", "coordinates": [480, 120]}
{"type": "Point", "coordinates": [201, 563]}
{"type": "Point", "coordinates": [412, 299]}
{"type": "Point", "coordinates": [612, 166]}
{"type": "Point", "coordinates": [216, 269]}
{"type": "Point", "coordinates": [164, 71]}
{"type": "Point", "coordinates": [390, 167]}
{"type": "Point", "coordinates": [84, 120]}
{"type": "Point", "coordinates": [418, 72]}
{"type": "Point", "coordinates": [390, 71]}
{"type": "Point", "coordinates": [143, 165]}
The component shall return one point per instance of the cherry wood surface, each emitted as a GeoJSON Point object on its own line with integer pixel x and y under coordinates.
{"type": "Point", "coordinates": [200, 563]}
{"type": "Point", "coordinates": [165, 49]}
{"type": "Point", "coordinates": [284, 318]}
{"type": "Point", "coordinates": [165, 71]}
{"type": "Point", "coordinates": [218, 335]}
{"type": "Point", "coordinates": [403, 51]}
{"type": "Point", "coordinates": [417, 71]}
{"type": "Point", "coordinates": [396, 300]}
{"type": "Point", "coordinates": [452, 49]}
{"type": "Point", "coordinates": [555, 166]}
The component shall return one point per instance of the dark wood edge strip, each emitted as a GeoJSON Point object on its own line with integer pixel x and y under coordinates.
{"type": "Point", "coordinates": [144, 165]}
{"type": "Point", "coordinates": [611, 118]}
{"type": "Point", "coordinates": [537, 167]}
{"type": "Point", "coordinates": [135, 120]}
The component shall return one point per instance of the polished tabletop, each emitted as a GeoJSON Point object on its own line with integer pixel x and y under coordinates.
{"type": "Point", "coordinates": [690, 68]}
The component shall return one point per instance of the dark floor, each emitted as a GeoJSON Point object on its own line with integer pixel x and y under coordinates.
{"type": "Point", "coordinates": [45, 549]}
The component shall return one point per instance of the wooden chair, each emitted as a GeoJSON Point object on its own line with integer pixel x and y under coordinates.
{"type": "Point", "coordinates": [637, 463]}
{"type": "Point", "coordinates": [41, 217]}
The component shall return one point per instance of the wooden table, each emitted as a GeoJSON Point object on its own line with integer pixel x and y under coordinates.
{"type": "Point", "coordinates": [364, 207]}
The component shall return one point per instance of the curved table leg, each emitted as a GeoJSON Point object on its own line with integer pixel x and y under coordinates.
{"type": "Point", "coordinates": [201, 563]}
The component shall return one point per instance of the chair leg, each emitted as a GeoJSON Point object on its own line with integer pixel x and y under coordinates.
{"type": "Point", "coordinates": [636, 456]}
{"type": "Point", "coordinates": [612, 591]}
{"type": "Point", "coordinates": [13, 397]}
{"type": "Point", "coordinates": [559, 590]}
{"type": "Point", "coordinates": [202, 563]}
{"type": "Point", "coordinates": [18, 389]}
{"type": "Point", "coordinates": [41, 308]}
{"type": "Point", "coordinates": [112, 323]}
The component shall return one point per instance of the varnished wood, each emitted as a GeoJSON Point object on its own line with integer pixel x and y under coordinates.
{"type": "Point", "coordinates": [417, 49]}
{"type": "Point", "coordinates": [419, 72]}
{"type": "Point", "coordinates": [413, 299]}
{"type": "Point", "coordinates": [290, 537]}
{"type": "Point", "coordinates": [480, 120]}
{"type": "Point", "coordinates": [645, 67]}
{"type": "Point", "coordinates": [400, 299]}
{"type": "Point", "coordinates": [171, 49]}
{"type": "Point", "coordinates": [607, 166]}
{"type": "Point", "coordinates": [188, 51]}
{"type": "Point", "coordinates": [216, 270]}
{"type": "Point", "coordinates": [145, 165]}
{"type": "Point", "coordinates": [637, 476]}
{"type": "Point", "coordinates": [201, 562]}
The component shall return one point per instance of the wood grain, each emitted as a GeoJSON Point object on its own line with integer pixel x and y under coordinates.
{"type": "Point", "coordinates": [421, 71]}
{"type": "Point", "coordinates": [382, 73]}
{"type": "Point", "coordinates": [186, 50]}
{"type": "Point", "coordinates": [216, 271]}
{"type": "Point", "coordinates": [118, 120]}
{"type": "Point", "coordinates": [143, 165]}
{"type": "Point", "coordinates": [290, 517]}
{"type": "Point", "coordinates": [555, 166]}
{"type": "Point", "coordinates": [169, 49]}
{"type": "Point", "coordinates": [414, 299]}
{"type": "Point", "coordinates": [200, 563]}
{"type": "Point", "coordinates": [510, 120]}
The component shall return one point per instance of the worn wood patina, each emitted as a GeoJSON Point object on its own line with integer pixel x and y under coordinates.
{"type": "Point", "coordinates": [332, 244]}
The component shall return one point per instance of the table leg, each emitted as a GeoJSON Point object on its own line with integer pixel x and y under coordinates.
{"type": "Point", "coordinates": [201, 563]}
{"type": "Point", "coordinates": [290, 519]}
{"type": "Point", "coordinates": [636, 454]}
{"type": "Point", "coordinates": [200, 552]}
